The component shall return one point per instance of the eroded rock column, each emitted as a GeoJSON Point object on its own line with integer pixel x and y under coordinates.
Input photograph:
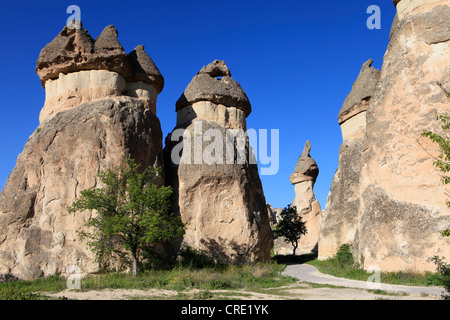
{"type": "Point", "coordinates": [91, 118]}
{"type": "Point", "coordinates": [387, 198]}
{"type": "Point", "coordinates": [303, 179]}
{"type": "Point", "coordinates": [341, 215]}
{"type": "Point", "coordinates": [218, 191]}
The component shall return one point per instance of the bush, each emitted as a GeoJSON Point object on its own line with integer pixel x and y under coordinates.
{"type": "Point", "coordinates": [344, 256]}
{"type": "Point", "coordinates": [444, 269]}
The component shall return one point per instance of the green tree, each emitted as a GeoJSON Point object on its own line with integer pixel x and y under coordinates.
{"type": "Point", "coordinates": [132, 212]}
{"type": "Point", "coordinates": [291, 226]}
{"type": "Point", "coordinates": [443, 163]}
{"type": "Point", "coordinates": [443, 160]}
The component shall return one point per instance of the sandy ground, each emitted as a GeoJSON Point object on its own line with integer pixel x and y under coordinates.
{"type": "Point", "coordinates": [298, 291]}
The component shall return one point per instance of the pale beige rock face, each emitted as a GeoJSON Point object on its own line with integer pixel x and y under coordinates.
{"type": "Point", "coordinates": [228, 117]}
{"type": "Point", "coordinates": [38, 237]}
{"type": "Point", "coordinates": [354, 128]}
{"type": "Point", "coordinates": [407, 7]}
{"type": "Point", "coordinates": [222, 206]}
{"type": "Point", "coordinates": [387, 198]}
{"type": "Point", "coordinates": [404, 231]}
{"type": "Point", "coordinates": [71, 90]}
{"type": "Point", "coordinates": [144, 91]}
{"type": "Point", "coordinates": [309, 208]}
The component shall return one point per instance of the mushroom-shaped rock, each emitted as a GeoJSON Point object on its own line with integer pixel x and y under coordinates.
{"type": "Point", "coordinates": [214, 83]}
{"type": "Point", "coordinates": [362, 90]}
{"type": "Point", "coordinates": [303, 178]}
{"type": "Point", "coordinates": [74, 50]}
{"type": "Point", "coordinates": [144, 69]}
{"type": "Point", "coordinates": [306, 168]}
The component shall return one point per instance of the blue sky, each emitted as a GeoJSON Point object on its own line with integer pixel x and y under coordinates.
{"type": "Point", "coordinates": [296, 60]}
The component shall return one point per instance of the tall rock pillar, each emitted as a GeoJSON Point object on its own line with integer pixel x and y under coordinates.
{"type": "Point", "coordinates": [217, 188]}
{"type": "Point", "coordinates": [387, 198]}
{"type": "Point", "coordinates": [403, 207]}
{"type": "Point", "coordinates": [100, 105]}
{"type": "Point", "coordinates": [303, 179]}
{"type": "Point", "coordinates": [341, 215]}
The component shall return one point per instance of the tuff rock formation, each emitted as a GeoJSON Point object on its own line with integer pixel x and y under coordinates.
{"type": "Point", "coordinates": [217, 188]}
{"type": "Point", "coordinates": [387, 198]}
{"type": "Point", "coordinates": [303, 178]}
{"type": "Point", "coordinates": [100, 105]}
{"type": "Point", "coordinates": [274, 214]}
{"type": "Point", "coordinates": [340, 221]}
{"type": "Point", "coordinates": [73, 68]}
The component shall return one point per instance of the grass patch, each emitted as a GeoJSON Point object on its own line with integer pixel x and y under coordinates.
{"type": "Point", "coordinates": [247, 277]}
{"type": "Point", "coordinates": [386, 293]}
{"type": "Point", "coordinates": [400, 278]}
{"type": "Point", "coordinates": [313, 285]}
{"type": "Point", "coordinates": [30, 290]}
{"type": "Point", "coordinates": [342, 265]}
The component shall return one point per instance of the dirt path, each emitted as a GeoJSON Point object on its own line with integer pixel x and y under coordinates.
{"type": "Point", "coordinates": [308, 273]}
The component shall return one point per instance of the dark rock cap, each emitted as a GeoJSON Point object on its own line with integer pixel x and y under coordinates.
{"type": "Point", "coordinates": [362, 89]}
{"type": "Point", "coordinates": [74, 50]}
{"type": "Point", "coordinates": [214, 83]}
{"type": "Point", "coordinates": [144, 69]}
{"type": "Point", "coordinates": [107, 41]}
{"type": "Point", "coordinates": [306, 167]}
{"type": "Point", "coordinates": [217, 68]}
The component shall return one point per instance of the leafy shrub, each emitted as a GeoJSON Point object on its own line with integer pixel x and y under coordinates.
{"type": "Point", "coordinates": [344, 255]}
{"type": "Point", "coordinates": [444, 269]}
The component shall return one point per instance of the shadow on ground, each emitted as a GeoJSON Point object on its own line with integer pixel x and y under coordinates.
{"type": "Point", "coordinates": [291, 259]}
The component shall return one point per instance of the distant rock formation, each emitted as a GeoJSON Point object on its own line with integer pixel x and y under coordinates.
{"type": "Point", "coordinates": [100, 105]}
{"type": "Point", "coordinates": [387, 198]}
{"type": "Point", "coordinates": [217, 188]}
{"type": "Point", "coordinates": [274, 214]}
{"type": "Point", "coordinates": [303, 178]}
